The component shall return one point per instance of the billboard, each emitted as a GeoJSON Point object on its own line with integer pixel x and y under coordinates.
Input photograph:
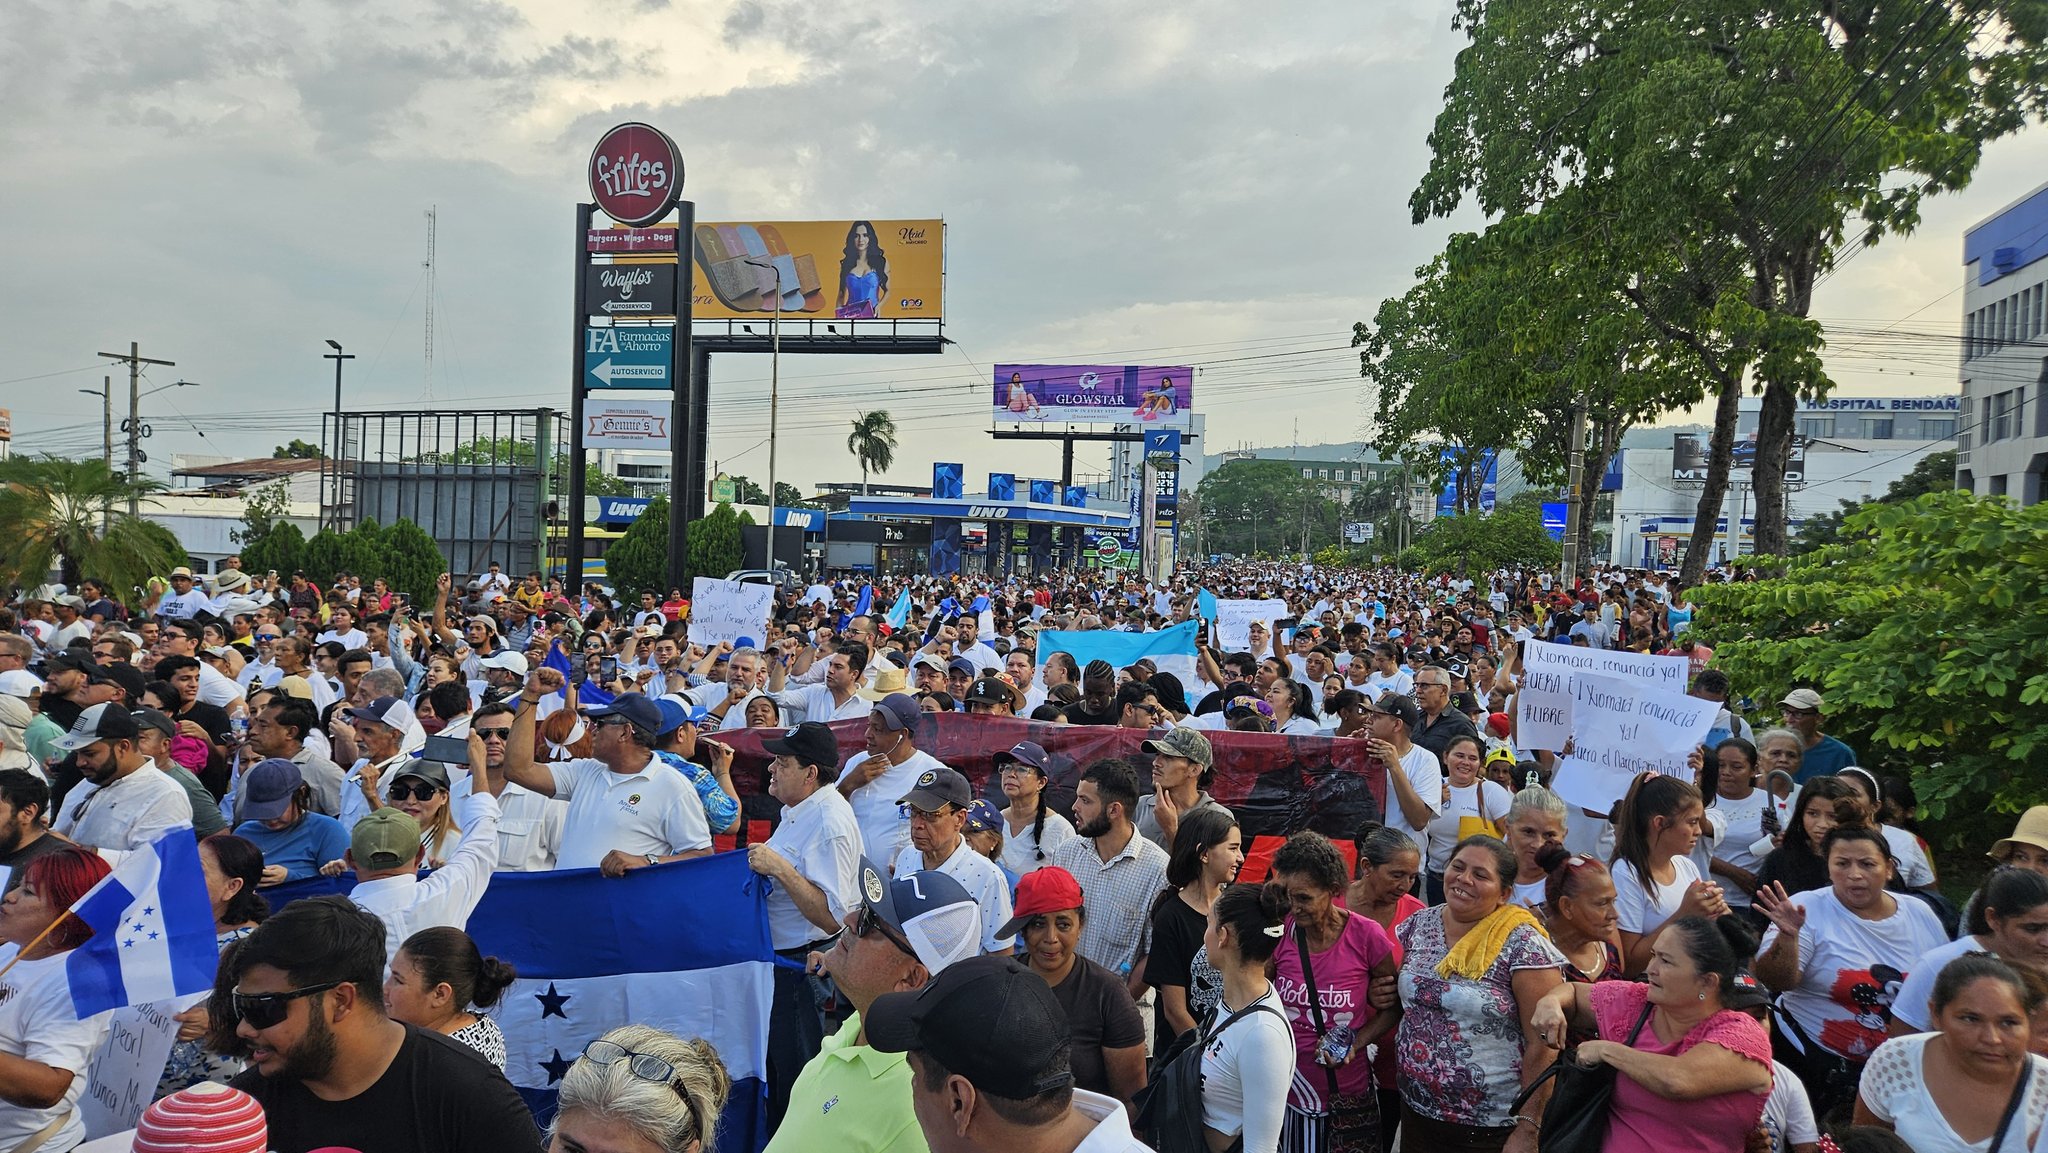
{"type": "Point", "coordinates": [1486, 470]}
{"type": "Point", "coordinates": [609, 423]}
{"type": "Point", "coordinates": [1689, 457]}
{"type": "Point", "coordinates": [825, 269]}
{"type": "Point", "coordinates": [1092, 394]}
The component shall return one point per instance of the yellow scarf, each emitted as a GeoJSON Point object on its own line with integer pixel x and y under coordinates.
{"type": "Point", "coordinates": [1477, 950]}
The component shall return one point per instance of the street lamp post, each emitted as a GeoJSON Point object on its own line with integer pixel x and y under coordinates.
{"type": "Point", "coordinates": [774, 389]}
{"type": "Point", "coordinates": [334, 455]}
{"type": "Point", "coordinates": [106, 395]}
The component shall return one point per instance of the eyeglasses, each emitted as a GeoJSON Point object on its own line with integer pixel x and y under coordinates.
{"type": "Point", "coordinates": [422, 791]}
{"type": "Point", "coordinates": [605, 722]}
{"type": "Point", "coordinates": [870, 922]}
{"type": "Point", "coordinates": [504, 734]}
{"type": "Point", "coordinates": [645, 1066]}
{"type": "Point", "coordinates": [263, 1010]}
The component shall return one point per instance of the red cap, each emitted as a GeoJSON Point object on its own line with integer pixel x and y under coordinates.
{"type": "Point", "coordinates": [1046, 890]}
{"type": "Point", "coordinates": [1499, 724]}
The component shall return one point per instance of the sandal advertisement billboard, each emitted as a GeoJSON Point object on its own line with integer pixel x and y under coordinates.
{"type": "Point", "coordinates": [822, 269]}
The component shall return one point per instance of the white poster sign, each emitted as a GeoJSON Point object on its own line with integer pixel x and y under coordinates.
{"type": "Point", "coordinates": [722, 610]}
{"type": "Point", "coordinates": [121, 1079]}
{"type": "Point", "coordinates": [1621, 728]}
{"type": "Point", "coordinates": [1543, 706]}
{"type": "Point", "coordinates": [1234, 621]}
{"type": "Point", "coordinates": [611, 423]}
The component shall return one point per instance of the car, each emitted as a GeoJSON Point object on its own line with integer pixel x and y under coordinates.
{"type": "Point", "coordinates": [782, 577]}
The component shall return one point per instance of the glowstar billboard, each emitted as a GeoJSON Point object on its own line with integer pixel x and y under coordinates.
{"type": "Point", "coordinates": [1092, 393]}
{"type": "Point", "coordinates": [831, 269]}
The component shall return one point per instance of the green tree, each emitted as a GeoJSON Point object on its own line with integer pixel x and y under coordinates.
{"type": "Point", "coordinates": [873, 443]}
{"type": "Point", "coordinates": [1731, 153]}
{"type": "Point", "coordinates": [359, 550]}
{"type": "Point", "coordinates": [71, 516]}
{"type": "Point", "coordinates": [787, 495]}
{"type": "Point", "coordinates": [282, 548]}
{"type": "Point", "coordinates": [297, 450]}
{"type": "Point", "coordinates": [1473, 544]}
{"type": "Point", "coordinates": [638, 561]}
{"type": "Point", "coordinates": [1920, 629]}
{"type": "Point", "coordinates": [716, 546]}
{"type": "Point", "coordinates": [504, 450]}
{"type": "Point", "coordinates": [412, 561]}
{"type": "Point", "coordinates": [1253, 505]}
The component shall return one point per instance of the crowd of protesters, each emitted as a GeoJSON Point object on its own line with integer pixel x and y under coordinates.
{"type": "Point", "coordinates": [1759, 950]}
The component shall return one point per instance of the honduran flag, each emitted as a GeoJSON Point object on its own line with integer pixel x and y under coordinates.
{"type": "Point", "coordinates": [152, 930]}
{"type": "Point", "coordinates": [1171, 650]}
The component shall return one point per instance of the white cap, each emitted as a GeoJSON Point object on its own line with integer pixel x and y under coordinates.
{"type": "Point", "coordinates": [20, 683]}
{"type": "Point", "coordinates": [506, 659]}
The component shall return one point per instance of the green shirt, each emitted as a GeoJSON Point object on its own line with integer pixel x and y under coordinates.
{"type": "Point", "coordinates": [41, 735]}
{"type": "Point", "coordinates": [850, 1099]}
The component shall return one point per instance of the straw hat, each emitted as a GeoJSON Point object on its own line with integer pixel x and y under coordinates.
{"type": "Point", "coordinates": [2031, 830]}
{"type": "Point", "coordinates": [889, 680]}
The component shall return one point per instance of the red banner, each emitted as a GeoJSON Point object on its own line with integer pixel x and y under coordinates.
{"type": "Point", "coordinates": [1276, 784]}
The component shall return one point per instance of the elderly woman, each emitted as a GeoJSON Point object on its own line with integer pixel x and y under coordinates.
{"type": "Point", "coordinates": [1970, 1086]}
{"type": "Point", "coordinates": [1695, 1069]}
{"type": "Point", "coordinates": [638, 1088]}
{"type": "Point", "coordinates": [1536, 821]}
{"type": "Point", "coordinates": [44, 1047]}
{"type": "Point", "coordinates": [1472, 966]}
{"type": "Point", "coordinates": [1108, 1035]}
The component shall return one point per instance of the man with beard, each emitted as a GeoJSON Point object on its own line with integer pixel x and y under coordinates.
{"type": "Point", "coordinates": [332, 1071]}
{"type": "Point", "coordinates": [1121, 872]}
{"type": "Point", "coordinates": [126, 802]}
{"type": "Point", "coordinates": [24, 802]}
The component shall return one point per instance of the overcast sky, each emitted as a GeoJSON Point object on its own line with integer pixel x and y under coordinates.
{"type": "Point", "coordinates": [232, 183]}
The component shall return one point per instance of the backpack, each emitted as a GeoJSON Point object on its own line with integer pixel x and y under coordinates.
{"type": "Point", "coordinates": [1169, 1107]}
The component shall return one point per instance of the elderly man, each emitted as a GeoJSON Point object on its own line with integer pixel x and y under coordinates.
{"type": "Point", "coordinates": [379, 729]}
{"type": "Point", "coordinates": [813, 861]}
{"type": "Point", "coordinates": [280, 730]}
{"type": "Point", "coordinates": [126, 802]}
{"type": "Point", "coordinates": [938, 801]}
{"type": "Point", "coordinates": [627, 808]}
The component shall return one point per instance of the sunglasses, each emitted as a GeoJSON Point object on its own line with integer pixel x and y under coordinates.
{"type": "Point", "coordinates": [504, 734]}
{"type": "Point", "coordinates": [645, 1066]}
{"type": "Point", "coordinates": [263, 1010]}
{"type": "Point", "coordinates": [422, 791]}
{"type": "Point", "coordinates": [870, 922]}
{"type": "Point", "coordinates": [604, 722]}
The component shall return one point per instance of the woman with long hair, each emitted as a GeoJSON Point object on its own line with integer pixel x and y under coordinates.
{"type": "Point", "coordinates": [1796, 865]}
{"type": "Point", "coordinates": [1293, 710]}
{"type": "Point", "coordinates": [1031, 829]}
{"type": "Point", "coordinates": [863, 274]}
{"type": "Point", "coordinates": [1207, 851]}
{"type": "Point", "coordinates": [438, 981]}
{"type": "Point", "coordinates": [44, 1047]}
{"type": "Point", "coordinates": [1655, 880]}
{"type": "Point", "coordinates": [420, 791]}
{"type": "Point", "coordinates": [1246, 1068]}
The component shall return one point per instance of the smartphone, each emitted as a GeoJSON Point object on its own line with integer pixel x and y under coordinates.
{"type": "Point", "coordinates": [447, 750]}
{"type": "Point", "coordinates": [608, 669]}
{"type": "Point", "coordinates": [1286, 622]}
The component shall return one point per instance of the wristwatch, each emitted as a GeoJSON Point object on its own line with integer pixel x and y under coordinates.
{"type": "Point", "coordinates": [653, 859]}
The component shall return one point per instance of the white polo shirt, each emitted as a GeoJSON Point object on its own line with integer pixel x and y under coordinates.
{"type": "Point", "coordinates": [982, 879]}
{"type": "Point", "coordinates": [652, 811]}
{"type": "Point", "coordinates": [126, 813]}
{"type": "Point", "coordinates": [884, 825]}
{"type": "Point", "coordinates": [529, 830]}
{"type": "Point", "coordinates": [814, 703]}
{"type": "Point", "coordinates": [819, 837]}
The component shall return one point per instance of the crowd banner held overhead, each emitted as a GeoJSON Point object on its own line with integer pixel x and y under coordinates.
{"type": "Point", "coordinates": [722, 610]}
{"type": "Point", "coordinates": [1171, 650]}
{"type": "Point", "coordinates": [596, 952]}
{"type": "Point", "coordinates": [1234, 620]}
{"type": "Point", "coordinates": [1093, 394]}
{"type": "Point", "coordinates": [829, 269]}
{"type": "Point", "coordinates": [1622, 727]}
{"type": "Point", "coordinates": [1544, 704]}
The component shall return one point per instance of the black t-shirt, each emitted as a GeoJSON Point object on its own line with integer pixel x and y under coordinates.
{"type": "Point", "coordinates": [17, 861]}
{"type": "Point", "coordinates": [1176, 936]}
{"type": "Point", "coordinates": [1079, 714]}
{"type": "Point", "coordinates": [1100, 1015]}
{"type": "Point", "coordinates": [438, 1096]}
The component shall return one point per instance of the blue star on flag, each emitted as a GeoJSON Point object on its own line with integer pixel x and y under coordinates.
{"type": "Point", "coordinates": [558, 1066]}
{"type": "Point", "coordinates": [551, 1003]}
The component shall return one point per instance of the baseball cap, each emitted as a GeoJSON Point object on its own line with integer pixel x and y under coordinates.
{"type": "Point", "coordinates": [1745, 992]}
{"type": "Point", "coordinates": [71, 662]}
{"type": "Point", "coordinates": [504, 659]}
{"type": "Point", "coordinates": [386, 839]}
{"type": "Point", "coordinates": [70, 601]}
{"type": "Point", "coordinates": [637, 708]}
{"type": "Point", "coordinates": [990, 691]}
{"type": "Point", "coordinates": [295, 687]}
{"type": "Point", "coordinates": [957, 1015]}
{"type": "Point", "coordinates": [433, 772]}
{"type": "Point", "coordinates": [148, 718]}
{"type": "Point", "coordinates": [267, 789]}
{"type": "Point", "coordinates": [1181, 741]}
{"type": "Point", "coordinates": [1025, 753]}
{"type": "Point", "coordinates": [931, 910]}
{"type": "Point", "coordinates": [963, 666]}
{"type": "Point", "coordinates": [929, 661]}
{"type": "Point", "coordinates": [20, 683]}
{"type": "Point", "coordinates": [810, 743]}
{"type": "Point", "coordinates": [675, 714]}
{"type": "Point", "coordinates": [937, 788]}
{"type": "Point", "coordinates": [898, 711]}
{"type": "Point", "coordinates": [1396, 705]}
{"type": "Point", "coordinates": [208, 1116]}
{"type": "Point", "coordinates": [1802, 699]}
{"type": "Point", "coordinates": [391, 712]}
{"type": "Point", "coordinates": [983, 817]}
{"type": "Point", "coordinates": [1499, 724]}
{"type": "Point", "coordinates": [1046, 890]}
{"type": "Point", "coordinates": [102, 722]}
{"type": "Point", "coordinates": [127, 676]}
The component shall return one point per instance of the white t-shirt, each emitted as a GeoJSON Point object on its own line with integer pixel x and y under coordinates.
{"type": "Point", "coordinates": [1641, 903]}
{"type": "Point", "coordinates": [1380, 683]}
{"type": "Point", "coordinates": [1532, 895]}
{"type": "Point", "coordinates": [884, 822]}
{"type": "Point", "coordinates": [1246, 1071]}
{"type": "Point", "coordinates": [1300, 727]}
{"type": "Point", "coordinates": [1426, 773]}
{"type": "Point", "coordinates": [1850, 969]}
{"type": "Point", "coordinates": [1481, 799]}
{"type": "Point", "coordinates": [1788, 1111]}
{"type": "Point", "coordinates": [980, 877]}
{"type": "Point", "coordinates": [127, 813]}
{"type": "Point", "coordinates": [1021, 850]}
{"type": "Point", "coordinates": [654, 811]}
{"type": "Point", "coordinates": [1894, 1088]}
{"type": "Point", "coordinates": [1911, 1004]}
{"type": "Point", "coordinates": [38, 1023]}
{"type": "Point", "coordinates": [1914, 871]}
{"type": "Point", "coordinates": [1743, 822]}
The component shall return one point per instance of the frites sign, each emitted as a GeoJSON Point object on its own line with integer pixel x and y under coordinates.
{"type": "Point", "coordinates": [636, 174]}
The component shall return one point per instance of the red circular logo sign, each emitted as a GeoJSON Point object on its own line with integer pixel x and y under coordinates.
{"type": "Point", "coordinates": [636, 174]}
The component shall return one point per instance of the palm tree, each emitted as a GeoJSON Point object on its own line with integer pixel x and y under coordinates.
{"type": "Point", "coordinates": [54, 508]}
{"type": "Point", "coordinates": [873, 443]}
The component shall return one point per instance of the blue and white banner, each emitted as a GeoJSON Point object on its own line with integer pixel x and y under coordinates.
{"type": "Point", "coordinates": [682, 947]}
{"type": "Point", "coordinates": [1171, 650]}
{"type": "Point", "coordinates": [152, 930]}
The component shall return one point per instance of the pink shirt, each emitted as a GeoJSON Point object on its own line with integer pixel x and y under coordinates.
{"type": "Point", "coordinates": [1343, 979]}
{"type": "Point", "coordinates": [1641, 1121]}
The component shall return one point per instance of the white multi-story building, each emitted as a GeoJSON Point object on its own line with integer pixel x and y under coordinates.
{"type": "Point", "coordinates": [2002, 444]}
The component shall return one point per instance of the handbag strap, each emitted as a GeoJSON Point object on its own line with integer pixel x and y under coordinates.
{"type": "Point", "coordinates": [1315, 1001]}
{"type": "Point", "coordinates": [42, 1136]}
{"type": "Point", "coordinates": [1557, 1066]}
{"type": "Point", "coordinates": [2012, 1107]}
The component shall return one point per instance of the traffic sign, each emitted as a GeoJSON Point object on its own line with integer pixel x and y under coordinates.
{"type": "Point", "coordinates": [628, 357]}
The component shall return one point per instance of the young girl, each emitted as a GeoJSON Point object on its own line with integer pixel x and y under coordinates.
{"type": "Point", "coordinates": [1655, 880]}
{"type": "Point", "coordinates": [1796, 864]}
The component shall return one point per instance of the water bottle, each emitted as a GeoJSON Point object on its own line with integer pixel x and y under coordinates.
{"type": "Point", "coordinates": [238, 727]}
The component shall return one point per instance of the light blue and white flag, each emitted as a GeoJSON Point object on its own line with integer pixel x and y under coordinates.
{"type": "Point", "coordinates": [1171, 650]}
{"type": "Point", "coordinates": [152, 930]}
{"type": "Point", "coordinates": [899, 613]}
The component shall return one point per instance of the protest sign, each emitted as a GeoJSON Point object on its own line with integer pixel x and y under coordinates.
{"type": "Point", "coordinates": [121, 1079]}
{"type": "Point", "coordinates": [729, 610]}
{"type": "Point", "coordinates": [1543, 705]}
{"type": "Point", "coordinates": [1234, 621]}
{"type": "Point", "coordinates": [1621, 728]}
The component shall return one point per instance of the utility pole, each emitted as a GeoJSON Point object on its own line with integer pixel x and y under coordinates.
{"type": "Point", "coordinates": [1575, 496]}
{"type": "Point", "coordinates": [333, 461]}
{"type": "Point", "coordinates": [135, 360]}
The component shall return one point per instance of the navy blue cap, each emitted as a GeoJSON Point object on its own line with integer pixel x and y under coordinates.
{"type": "Point", "coordinates": [635, 707]}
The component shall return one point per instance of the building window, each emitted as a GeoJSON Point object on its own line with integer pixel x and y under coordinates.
{"type": "Point", "coordinates": [1308, 474]}
{"type": "Point", "coordinates": [1877, 428]}
{"type": "Point", "coordinates": [1937, 428]}
{"type": "Point", "coordinates": [1818, 427]}
{"type": "Point", "coordinates": [2001, 416]}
